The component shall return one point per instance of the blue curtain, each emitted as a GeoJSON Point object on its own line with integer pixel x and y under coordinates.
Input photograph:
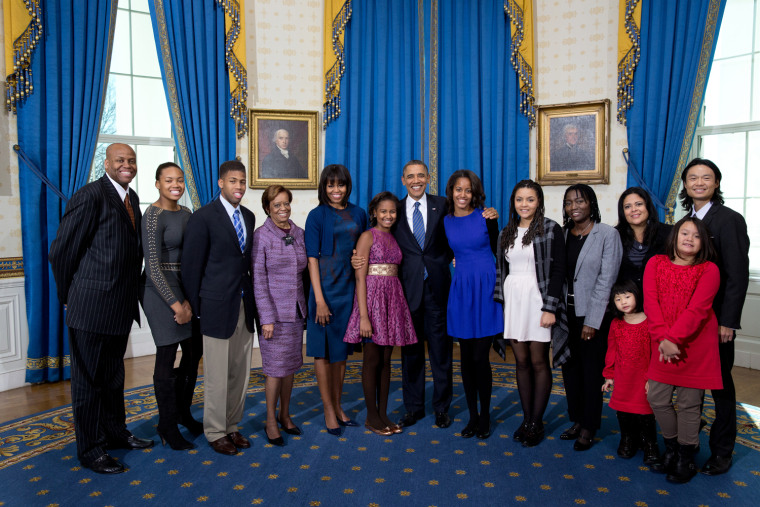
{"type": "Point", "coordinates": [378, 130]}
{"type": "Point", "coordinates": [57, 130]}
{"type": "Point", "coordinates": [481, 127]}
{"type": "Point", "coordinates": [190, 42]}
{"type": "Point", "coordinates": [429, 81]}
{"type": "Point", "coordinates": [677, 45]}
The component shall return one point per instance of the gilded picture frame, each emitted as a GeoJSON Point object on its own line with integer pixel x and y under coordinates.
{"type": "Point", "coordinates": [283, 148]}
{"type": "Point", "coordinates": [573, 143]}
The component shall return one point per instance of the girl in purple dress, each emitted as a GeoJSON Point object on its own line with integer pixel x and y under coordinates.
{"type": "Point", "coordinates": [380, 317]}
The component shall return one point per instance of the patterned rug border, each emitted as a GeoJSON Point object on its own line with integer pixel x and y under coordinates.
{"type": "Point", "coordinates": [53, 429]}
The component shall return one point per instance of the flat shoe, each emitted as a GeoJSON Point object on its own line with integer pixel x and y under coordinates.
{"type": "Point", "coordinates": [583, 443]}
{"type": "Point", "coordinates": [386, 432]}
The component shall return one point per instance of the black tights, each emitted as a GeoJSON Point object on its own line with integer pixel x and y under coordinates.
{"type": "Point", "coordinates": [476, 378]}
{"type": "Point", "coordinates": [376, 381]}
{"type": "Point", "coordinates": [192, 350]}
{"type": "Point", "coordinates": [534, 378]}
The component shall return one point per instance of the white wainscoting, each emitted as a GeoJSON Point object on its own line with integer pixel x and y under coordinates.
{"type": "Point", "coordinates": [748, 337]}
{"type": "Point", "coordinates": [14, 333]}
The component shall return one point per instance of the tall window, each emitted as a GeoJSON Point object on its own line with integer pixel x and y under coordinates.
{"type": "Point", "coordinates": [729, 127]}
{"type": "Point", "coordinates": [135, 111]}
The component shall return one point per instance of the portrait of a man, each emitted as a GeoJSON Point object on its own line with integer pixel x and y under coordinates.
{"type": "Point", "coordinates": [281, 149]}
{"type": "Point", "coordinates": [573, 141]}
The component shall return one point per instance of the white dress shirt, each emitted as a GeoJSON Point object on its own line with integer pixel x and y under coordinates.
{"type": "Point", "coordinates": [410, 211]}
{"type": "Point", "coordinates": [230, 210]}
{"type": "Point", "coordinates": [702, 211]}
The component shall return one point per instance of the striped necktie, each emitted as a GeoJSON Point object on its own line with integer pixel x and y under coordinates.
{"type": "Point", "coordinates": [418, 226]}
{"type": "Point", "coordinates": [238, 229]}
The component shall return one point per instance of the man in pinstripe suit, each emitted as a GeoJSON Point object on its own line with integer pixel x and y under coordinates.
{"type": "Point", "coordinates": [96, 259]}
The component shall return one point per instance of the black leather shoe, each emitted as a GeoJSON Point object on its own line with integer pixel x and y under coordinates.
{"type": "Point", "coordinates": [571, 433]}
{"type": "Point", "coordinates": [442, 420]}
{"type": "Point", "coordinates": [348, 424]}
{"type": "Point", "coordinates": [470, 430]}
{"type": "Point", "coordinates": [104, 464]}
{"type": "Point", "coordinates": [584, 442]}
{"type": "Point", "coordinates": [131, 442]}
{"type": "Point", "coordinates": [534, 435]}
{"type": "Point", "coordinates": [716, 465]}
{"type": "Point", "coordinates": [411, 418]}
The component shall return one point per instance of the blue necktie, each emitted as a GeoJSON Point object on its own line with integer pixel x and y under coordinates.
{"type": "Point", "coordinates": [238, 229]}
{"type": "Point", "coordinates": [418, 227]}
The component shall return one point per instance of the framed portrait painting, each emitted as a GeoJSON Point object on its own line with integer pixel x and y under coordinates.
{"type": "Point", "coordinates": [282, 148]}
{"type": "Point", "coordinates": [573, 143]}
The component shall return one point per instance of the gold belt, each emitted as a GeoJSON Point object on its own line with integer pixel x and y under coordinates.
{"type": "Point", "coordinates": [383, 269]}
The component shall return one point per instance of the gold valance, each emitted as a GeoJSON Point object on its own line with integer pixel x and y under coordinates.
{"type": "Point", "coordinates": [629, 52]}
{"type": "Point", "coordinates": [337, 15]}
{"type": "Point", "coordinates": [234, 48]}
{"type": "Point", "coordinates": [23, 31]}
{"type": "Point", "coordinates": [520, 14]}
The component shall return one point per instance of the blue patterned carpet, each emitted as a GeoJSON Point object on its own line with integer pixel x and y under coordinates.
{"type": "Point", "coordinates": [423, 466]}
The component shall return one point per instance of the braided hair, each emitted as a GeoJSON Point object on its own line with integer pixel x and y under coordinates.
{"type": "Point", "coordinates": [536, 227]}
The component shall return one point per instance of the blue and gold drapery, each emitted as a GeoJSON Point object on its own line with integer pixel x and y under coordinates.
{"type": "Point", "coordinates": [337, 15]}
{"type": "Point", "coordinates": [234, 49]}
{"type": "Point", "coordinates": [23, 30]}
{"type": "Point", "coordinates": [436, 81]}
{"type": "Point", "coordinates": [677, 44]}
{"type": "Point", "coordinates": [57, 130]}
{"type": "Point", "coordinates": [192, 52]}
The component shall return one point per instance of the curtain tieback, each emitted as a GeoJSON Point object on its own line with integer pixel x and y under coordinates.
{"type": "Point", "coordinates": [39, 173]}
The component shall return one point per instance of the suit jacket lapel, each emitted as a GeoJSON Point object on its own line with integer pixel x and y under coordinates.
{"type": "Point", "coordinates": [403, 223]}
{"type": "Point", "coordinates": [433, 212]}
{"type": "Point", "coordinates": [225, 219]}
{"type": "Point", "coordinates": [116, 202]}
{"type": "Point", "coordinates": [249, 225]}
{"type": "Point", "coordinates": [587, 247]}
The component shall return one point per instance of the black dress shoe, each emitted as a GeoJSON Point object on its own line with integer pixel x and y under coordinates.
{"type": "Point", "coordinates": [584, 442]}
{"type": "Point", "coordinates": [442, 420]}
{"type": "Point", "coordinates": [716, 465]}
{"type": "Point", "coordinates": [571, 433]}
{"type": "Point", "coordinates": [520, 432]}
{"type": "Point", "coordinates": [104, 464]}
{"type": "Point", "coordinates": [348, 424]}
{"type": "Point", "coordinates": [470, 430]}
{"type": "Point", "coordinates": [131, 442]}
{"type": "Point", "coordinates": [534, 435]}
{"type": "Point", "coordinates": [411, 418]}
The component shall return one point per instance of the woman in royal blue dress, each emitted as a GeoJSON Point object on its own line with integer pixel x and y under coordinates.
{"type": "Point", "coordinates": [332, 230]}
{"type": "Point", "coordinates": [472, 314]}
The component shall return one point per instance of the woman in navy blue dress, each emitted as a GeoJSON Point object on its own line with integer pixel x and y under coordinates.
{"type": "Point", "coordinates": [472, 314]}
{"type": "Point", "coordinates": [332, 230]}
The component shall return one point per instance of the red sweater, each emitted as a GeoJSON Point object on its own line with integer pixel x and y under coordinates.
{"type": "Point", "coordinates": [627, 361]}
{"type": "Point", "coordinates": [678, 304]}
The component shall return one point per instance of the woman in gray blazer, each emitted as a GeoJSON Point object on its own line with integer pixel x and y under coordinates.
{"type": "Point", "coordinates": [593, 254]}
{"type": "Point", "coordinates": [279, 259]}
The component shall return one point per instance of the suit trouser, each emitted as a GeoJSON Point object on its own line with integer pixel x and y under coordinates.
{"type": "Point", "coordinates": [429, 323]}
{"type": "Point", "coordinates": [582, 373]}
{"type": "Point", "coordinates": [97, 390]}
{"type": "Point", "coordinates": [723, 429]}
{"type": "Point", "coordinates": [226, 369]}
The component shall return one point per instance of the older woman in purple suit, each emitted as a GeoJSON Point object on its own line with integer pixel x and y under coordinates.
{"type": "Point", "coordinates": [279, 258]}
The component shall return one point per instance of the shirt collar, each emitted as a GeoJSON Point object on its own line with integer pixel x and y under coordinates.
{"type": "Point", "coordinates": [121, 190]}
{"type": "Point", "coordinates": [410, 203]}
{"type": "Point", "coordinates": [702, 211]}
{"type": "Point", "coordinates": [229, 208]}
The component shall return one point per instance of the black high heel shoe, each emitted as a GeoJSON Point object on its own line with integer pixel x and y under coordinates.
{"type": "Point", "coordinates": [279, 441]}
{"type": "Point", "coordinates": [295, 430]}
{"type": "Point", "coordinates": [175, 439]}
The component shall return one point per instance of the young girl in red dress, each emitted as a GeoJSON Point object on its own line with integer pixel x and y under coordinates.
{"type": "Point", "coordinates": [380, 318]}
{"type": "Point", "coordinates": [626, 364]}
{"type": "Point", "coordinates": [679, 289]}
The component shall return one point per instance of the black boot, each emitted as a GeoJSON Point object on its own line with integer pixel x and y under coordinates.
{"type": "Point", "coordinates": [628, 439]}
{"type": "Point", "coordinates": [685, 467]}
{"type": "Point", "coordinates": [167, 414]}
{"type": "Point", "coordinates": [648, 429]}
{"type": "Point", "coordinates": [185, 390]}
{"type": "Point", "coordinates": [670, 457]}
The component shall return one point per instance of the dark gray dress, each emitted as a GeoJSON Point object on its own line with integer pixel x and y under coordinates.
{"type": "Point", "coordinates": [162, 234]}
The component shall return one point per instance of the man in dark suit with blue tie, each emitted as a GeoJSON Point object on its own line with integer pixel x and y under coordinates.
{"type": "Point", "coordinates": [216, 273]}
{"type": "Point", "coordinates": [96, 259]}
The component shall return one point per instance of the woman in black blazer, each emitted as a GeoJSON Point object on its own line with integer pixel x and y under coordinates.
{"type": "Point", "coordinates": [641, 232]}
